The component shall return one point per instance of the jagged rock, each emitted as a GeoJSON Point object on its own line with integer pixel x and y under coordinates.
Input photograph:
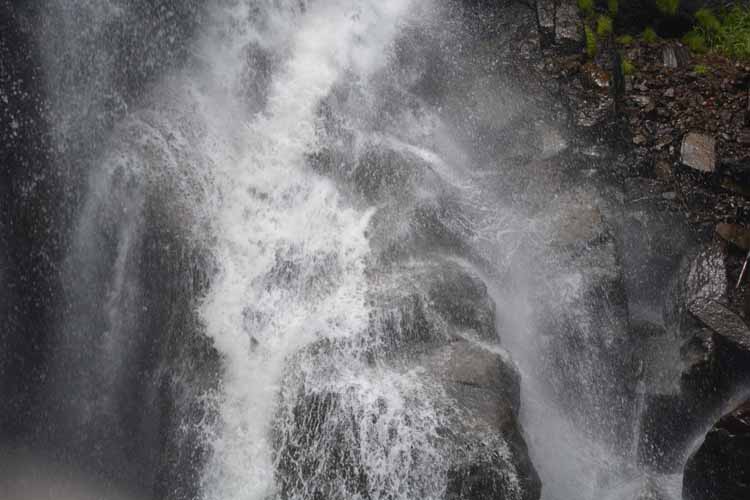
{"type": "Point", "coordinates": [736, 167]}
{"type": "Point", "coordinates": [708, 346]}
{"type": "Point", "coordinates": [568, 26]}
{"type": "Point", "coordinates": [423, 303]}
{"type": "Point", "coordinates": [699, 152]}
{"type": "Point", "coordinates": [489, 456]}
{"type": "Point", "coordinates": [720, 468]}
{"type": "Point", "coordinates": [464, 405]}
{"type": "Point", "coordinates": [675, 56]}
{"type": "Point", "coordinates": [593, 113]}
{"type": "Point", "coordinates": [584, 276]}
{"type": "Point", "coordinates": [653, 242]}
{"type": "Point", "coordinates": [735, 234]}
{"type": "Point", "coordinates": [725, 323]}
{"type": "Point", "coordinates": [595, 76]}
{"type": "Point", "coordinates": [545, 15]}
{"type": "Point", "coordinates": [699, 281]}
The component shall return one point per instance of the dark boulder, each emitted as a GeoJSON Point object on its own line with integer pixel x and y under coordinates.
{"type": "Point", "coordinates": [720, 468]}
{"type": "Point", "coordinates": [421, 304]}
{"type": "Point", "coordinates": [452, 431]}
{"type": "Point", "coordinates": [702, 357]}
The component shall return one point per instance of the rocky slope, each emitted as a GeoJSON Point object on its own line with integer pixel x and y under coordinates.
{"type": "Point", "coordinates": [679, 153]}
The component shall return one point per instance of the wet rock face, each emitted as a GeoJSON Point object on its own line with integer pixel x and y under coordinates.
{"type": "Point", "coordinates": [469, 404]}
{"type": "Point", "coordinates": [720, 468]}
{"type": "Point", "coordinates": [702, 358]}
{"type": "Point", "coordinates": [559, 24]}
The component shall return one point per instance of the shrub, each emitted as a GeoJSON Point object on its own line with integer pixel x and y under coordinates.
{"type": "Point", "coordinates": [591, 48]}
{"type": "Point", "coordinates": [707, 20]}
{"type": "Point", "coordinates": [586, 6]}
{"type": "Point", "coordinates": [695, 42]}
{"type": "Point", "coordinates": [603, 26]}
{"type": "Point", "coordinates": [627, 67]}
{"type": "Point", "coordinates": [612, 7]}
{"type": "Point", "coordinates": [735, 33]}
{"type": "Point", "coordinates": [708, 26]}
{"type": "Point", "coordinates": [668, 7]}
{"type": "Point", "coordinates": [624, 40]}
{"type": "Point", "coordinates": [649, 35]}
{"type": "Point", "coordinates": [700, 69]}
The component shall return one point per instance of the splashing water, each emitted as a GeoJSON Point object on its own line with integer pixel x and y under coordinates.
{"type": "Point", "coordinates": [290, 256]}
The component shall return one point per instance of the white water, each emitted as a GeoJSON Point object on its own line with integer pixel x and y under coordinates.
{"type": "Point", "coordinates": [290, 256]}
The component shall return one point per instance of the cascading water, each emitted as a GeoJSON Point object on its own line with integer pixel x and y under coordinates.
{"type": "Point", "coordinates": [297, 246]}
{"type": "Point", "coordinates": [290, 255]}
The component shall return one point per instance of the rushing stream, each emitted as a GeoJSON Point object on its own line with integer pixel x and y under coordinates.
{"type": "Point", "coordinates": [289, 221]}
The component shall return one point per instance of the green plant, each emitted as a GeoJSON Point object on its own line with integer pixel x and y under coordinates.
{"type": "Point", "coordinates": [668, 7]}
{"type": "Point", "coordinates": [627, 67]}
{"type": "Point", "coordinates": [624, 40]}
{"type": "Point", "coordinates": [603, 26]}
{"type": "Point", "coordinates": [700, 69]}
{"type": "Point", "coordinates": [649, 35]}
{"type": "Point", "coordinates": [695, 42]}
{"type": "Point", "coordinates": [708, 26]}
{"type": "Point", "coordinates": [727, 34]}
{"type": "Point", "coordinates": [707, 20]}
{"type": "Point", "coordinates": [586, 6]}
{"type": "Point", "coordinates": [591, 48]}
{"type": "Point", "coordinates": [612, 7]}
{"type": "Point", "coordinates": [735, 33]}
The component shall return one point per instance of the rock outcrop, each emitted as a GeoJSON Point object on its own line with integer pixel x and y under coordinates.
{"type": "Point", "coordinates": [334, 441]}
{"type": "Point", "coordinates": [720, 468]}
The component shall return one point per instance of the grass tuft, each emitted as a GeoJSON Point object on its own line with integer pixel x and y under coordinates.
{"type": "Point", "coordinates": [668, 7]}
{"type": "Point", "coordinates": [591, 48]}
{"type": "Point", "coordinates": [586, 6]}
{"type": "Point", "coordinates": [649, 35]}
{"type": "Point", "coordinates": [603, 26]}
{"type": "Point", "coordinates": [695, 42]}
{"type": "Point", "coordinates": [625, 40]}
{"type": "Point", "coordinates": [612, 7]}
{"type": "Point", "coordinates": [627, 67]}
{"type": "Point", "coordinates": [700, 69]}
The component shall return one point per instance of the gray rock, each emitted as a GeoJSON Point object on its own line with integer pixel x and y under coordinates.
{"type": "Point", "coordinates": [699, 281]}
{"type": "Point", "coordinates": [706, 282]}
{"type": "Point", "coordinates": [424, 303]}
{"type": "Point", "coordinates": [725, 323]}
{"type": "Point", "coordinates": [464, 407]}
{"type": "Point", "coordinates": [720, 468]}
{"type": "Point", "coordinates": [568, 25]}
{"type": "Point", "coordinates": [698, 151]}
{"type": "Point", "coordinates": [582, 276]}
{"type": "Point", "coordinates": [675, 56]}
{"type": "Point", "coordinates": [489, 458]}
{"type": "Point", "coordinates": [545, 15]}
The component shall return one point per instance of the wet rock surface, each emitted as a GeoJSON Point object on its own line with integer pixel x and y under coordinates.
{"type": "Point", "coordinates": [675, 125]}
{"type": "Point", "coordinates": [720, 468]}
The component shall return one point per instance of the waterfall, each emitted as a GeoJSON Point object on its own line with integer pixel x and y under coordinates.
{"type": "Point", "coordinates": [315, 249]}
